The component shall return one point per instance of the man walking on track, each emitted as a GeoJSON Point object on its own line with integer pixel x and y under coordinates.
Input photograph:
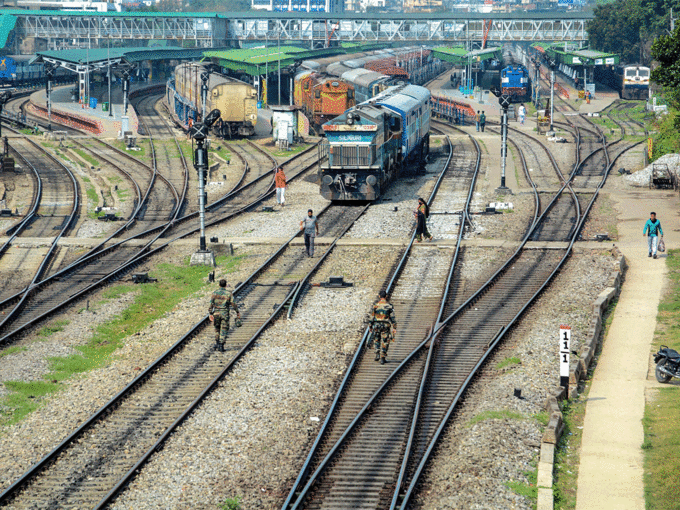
{"type": "Point", "coordinates": [280, 181]}
{"type": "Point", "coordinates": [383, 327]}
{"type": "Point", "coordinates": [654, 227]}
{"type": "Point", "coordinates": [311, 229]}
{"type": "Point", "coordinates": [482, 121]}
{"type": "Point", "coordinates": [220, 302]}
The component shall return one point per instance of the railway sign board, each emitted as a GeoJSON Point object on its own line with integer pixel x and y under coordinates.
{"type": "Point", "coordinates": [565, 350]}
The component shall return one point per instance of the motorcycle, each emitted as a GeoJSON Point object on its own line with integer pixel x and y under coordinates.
{"type": "Point", "coordinates": [667, 364]}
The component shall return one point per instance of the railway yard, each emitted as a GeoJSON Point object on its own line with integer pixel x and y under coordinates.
{"type": "Point", "coordinates": [134, 409]}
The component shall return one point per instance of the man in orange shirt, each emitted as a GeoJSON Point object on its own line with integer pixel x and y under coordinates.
{"type": "Point", "coordinates": [280, 181]}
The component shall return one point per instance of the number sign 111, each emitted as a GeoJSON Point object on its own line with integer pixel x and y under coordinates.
{"type": "Point", "coordinates": [565, 350]}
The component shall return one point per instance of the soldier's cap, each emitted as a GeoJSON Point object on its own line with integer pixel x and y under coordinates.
{"type": "Point", "coordinates": [382, 294]}
{"type": "Point", "coordinates": [223, 283]}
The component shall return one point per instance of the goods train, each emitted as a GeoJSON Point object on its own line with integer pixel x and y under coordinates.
{"type": "Point", "coordinates": [236, 100]}
{"type": "Point", "coordinates": [325, 88]}
{"type": "Point", "coordinates": [17, 71]}
{"type": "Point", "coordinates": [631, 81]}
{"type": "Point", "coordinates": [367, 147]}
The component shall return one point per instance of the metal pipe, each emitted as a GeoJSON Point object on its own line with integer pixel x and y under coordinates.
{"type": "Point", "coordinates": [552, 95]}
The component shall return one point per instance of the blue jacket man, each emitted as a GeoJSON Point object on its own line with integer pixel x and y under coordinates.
{"type": "Point", "coordinates": [652, 229]}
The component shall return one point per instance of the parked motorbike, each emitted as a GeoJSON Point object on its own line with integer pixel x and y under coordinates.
{"type": "Point", "coordinates": [667, 364]}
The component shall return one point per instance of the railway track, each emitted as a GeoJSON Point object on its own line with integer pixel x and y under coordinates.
{"type": "Point", "coordinates": [417, 295]}
{"type": "Point", "coordinates": [401, 421]}
{"type": "Point", "coordinates": [92, 271]}
{"type": "Point", "coordinates": [56, 209]}
{"type": "Point", "coordinates": [91, 466]}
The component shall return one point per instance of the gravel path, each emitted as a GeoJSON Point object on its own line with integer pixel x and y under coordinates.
{"type": "Point", "coordinates": [473, 462]}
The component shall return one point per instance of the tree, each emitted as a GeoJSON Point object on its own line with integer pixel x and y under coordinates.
{"type": "Point", "coordinates": [666, 51]}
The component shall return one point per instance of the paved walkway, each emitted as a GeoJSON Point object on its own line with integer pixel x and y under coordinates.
{"type": "Point", "coordinates": [611, 470]}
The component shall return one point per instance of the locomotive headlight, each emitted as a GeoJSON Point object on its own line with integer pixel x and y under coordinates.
{"type": "Point", "coordinates": [371, 180]}
{"type": "Point", "coordinates": [327, 180]}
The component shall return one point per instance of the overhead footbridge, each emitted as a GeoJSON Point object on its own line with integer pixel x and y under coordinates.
{"type": "Point", "coordinates": [315, 30]}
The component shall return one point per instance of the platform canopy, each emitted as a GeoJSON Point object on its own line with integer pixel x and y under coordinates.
{"type": "Point", "coordinates": [460, 55]}
{"type": "Point", "coordinates": [82, 60]}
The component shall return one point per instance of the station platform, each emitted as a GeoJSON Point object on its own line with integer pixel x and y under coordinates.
{"type": "Point", "coordinates": [67, 111]}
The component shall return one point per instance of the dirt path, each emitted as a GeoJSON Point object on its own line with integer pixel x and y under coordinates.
{"type": "Point", "coordinates": [611, 469]}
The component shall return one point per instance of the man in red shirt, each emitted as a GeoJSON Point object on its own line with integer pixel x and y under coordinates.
{"type": "Point", "coordinates": [280, 181]}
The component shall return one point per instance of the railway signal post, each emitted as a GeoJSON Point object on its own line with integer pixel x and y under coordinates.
{"type": "Point", "coordinates": [49, 74]}
{"type": "Point", "coordinates": [504, 102]}
{"type": "Point", "coordinates": [199, 132]}
{"type": "Point", "coordinates": [4, 97]}
{"type": "Point", "coordinates": [552, 64]}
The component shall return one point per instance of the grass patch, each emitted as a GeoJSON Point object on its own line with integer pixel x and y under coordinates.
{"type": "Point", "coordinates": [508, 362]}
{"type": "Point", "coordinates": [231, 504]}
{"type": "Point", "coordinates": [153, 301]}
{"type": "Point", "coordinates": [87, 157]}
{"type": "Point", "coordinates": [123, 194]}
{"type": "Point", "coordinates": [661, 422]}
{"type": "Point", "coordinates": [12, 350]}
{"type": "Point", "coordinates": [503, 414]}
{"type": "Point", "coordinates": [25, 397]}
{"type": "Point", "coordinates": [526, 489]}
{"type": "Point", "coordinates": [292, 152]}
{"type": "Point", "coordinates": [92, 194]}
{"type": "Point", "coordinates": [55, 327]}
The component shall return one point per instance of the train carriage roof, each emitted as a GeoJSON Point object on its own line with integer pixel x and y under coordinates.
{"type": "Point", "coordinates": [363, 77]}
{"type": "Point", "coordinates": [401, 99]}
{"type": "Point", "coordinates": [338, 69]}
{"type": "Point", "coordinates": [416, 92]}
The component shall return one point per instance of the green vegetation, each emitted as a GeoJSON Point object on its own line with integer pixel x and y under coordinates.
{"type": "Point", "coordinates": [661, 422]}
{"type": "Point", "coordinates": [92, 195]}
{"type": "Point", "coordinates": [53, 328]}
{"type": "Point", "coordinates": [567, 453]}
{"type": "Point", "coordinates": [12, 350]}
{"type": "Point", "coordinates": [503, 414]}
{"type": "Point", "coordinates": [667, 138]}
{"type": "Point", "coordinates": [123, 194]}
{"type": "Point", "coordinates": [24, 399]}
{"type": "Point", "coordinates": [87, 157]}
{"type": "Point", "coordinates": [528, 489]}
{"type": "Point", "coordinates": [629, 27]}
{"type": "Point", "coordinates": [231, 504]}
{"type": "Point", "coordinates": [666, 51]}
{"type": "Point", "coordinates": [507, 362]}
{"type": "Point", "coordinates": [153, 300]}
{"type": "Point", "coordinates": [287, 154]}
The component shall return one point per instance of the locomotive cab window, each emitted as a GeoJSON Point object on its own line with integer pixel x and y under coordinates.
{"type": "Point", "coordinates": [630, 73]}
{"type": "Point", "coordinates": [644, 73]}
{"type": "Point", "coordinates": [350, 94]}
{"type": "Point", "coordinates": [317, 94]}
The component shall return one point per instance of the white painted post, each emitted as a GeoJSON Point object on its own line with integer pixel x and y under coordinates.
{"type": "Point", "coordinates": [565, 351]}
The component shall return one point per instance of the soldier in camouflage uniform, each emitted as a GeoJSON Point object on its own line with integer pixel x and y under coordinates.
{"type": "Point", "coordinates": [383, 326]}
{"type": "Point", "coordinates": [220, 302]}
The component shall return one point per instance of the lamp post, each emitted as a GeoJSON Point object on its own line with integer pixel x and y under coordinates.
{"type": "Point", "coordinates": [199, 132]}
{"type": "Point", "coordinates": [552, 64]}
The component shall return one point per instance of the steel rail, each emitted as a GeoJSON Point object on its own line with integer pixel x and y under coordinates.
{"type": "Point", "coordinates": [492, 345]}
{"type": "Point", "coordinates": [351, 369]}
{"type": "Point", "coordinates": [143, 253]}
{"type": "Point", "coordinates": [16, 229]}
{"type": "Point", "coordinates": [47, 259]}
{"type": "Point", "coordinates": [43, 463]}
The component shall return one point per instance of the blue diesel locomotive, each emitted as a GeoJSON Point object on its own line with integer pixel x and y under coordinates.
{"type": "Point", "coordinates": [18, 71]}
{"type": "Point", "coordinates": [367, 147]}
{"type": "Point", "coordinates": [515, 83]}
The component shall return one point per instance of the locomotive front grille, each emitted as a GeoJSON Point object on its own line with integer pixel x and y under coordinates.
{"type": "Point", "coordinates": [352, 155]}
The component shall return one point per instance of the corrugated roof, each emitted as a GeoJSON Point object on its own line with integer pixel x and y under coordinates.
{"type": "Point", "coordinates": [132, 55]}
{"type": "Point", "coordinates": [7, 23]}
